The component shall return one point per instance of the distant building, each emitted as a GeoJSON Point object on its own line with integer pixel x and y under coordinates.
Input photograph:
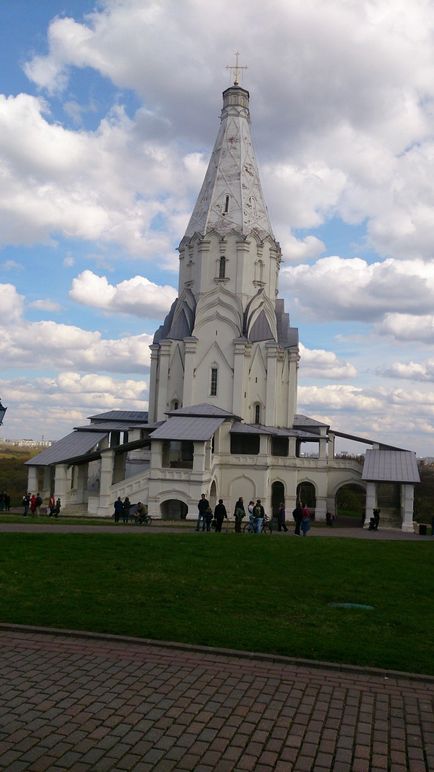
{"type": "Point", "coordinates": [27, 443]}
{"type": "Point", "coordinates": [222, 413]}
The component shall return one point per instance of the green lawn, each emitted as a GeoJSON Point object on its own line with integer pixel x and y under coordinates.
{"type": "Point", "coordinates": [258, 594]}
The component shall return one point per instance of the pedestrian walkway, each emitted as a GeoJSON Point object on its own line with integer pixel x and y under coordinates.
{"type": "Point", "coordinates": [386, 534]}
{"type": "Point", "coordinates": [72, 702]}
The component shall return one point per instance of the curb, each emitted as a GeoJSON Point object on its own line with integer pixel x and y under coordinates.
{"type": "Point", "coordinates": [221, 652]}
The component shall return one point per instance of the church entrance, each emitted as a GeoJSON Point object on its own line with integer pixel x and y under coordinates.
{"type": "Point", "coordinates": [277, 497]}
{"type": "Point", "coordinates": [306, 495]}
{"type": "Point", "coordinates": [173, 509]}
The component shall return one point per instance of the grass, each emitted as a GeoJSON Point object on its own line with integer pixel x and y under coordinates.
{"type": "Point", "coordinates": [245, 593]}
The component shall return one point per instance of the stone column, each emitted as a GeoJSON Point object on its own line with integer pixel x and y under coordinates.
{"type": "Point", "coordinates": [152, 412]}
{"type": "Point", "coordinates": [371, 501]}
{"type": "Point", "coordinates": [407, 501]}
{"type": "Point", "coordinates": [199, 457]}
{"type": "Point", "coordinates": [331, 447]}
{"type": "Point", "coordinates": [106, 481]}
{"type": "Point", "coordinates": [156, 455]}
{"type": "Point", "coordinates": [61, 483]}
{"type": "Point", "coordinates": [189, 363]}
{"type": "Point", "coordinates": [320, 509]}
{"type": "Point", "coordinates": [270, 406]}
{"type": "Point", "coordinates": [32, 479]}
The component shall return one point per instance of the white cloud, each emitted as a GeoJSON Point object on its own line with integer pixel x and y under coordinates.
{"type": "Point", "coordinates": [137, 296]}
{"type": "Point", "coordinates": [52, 406]}
{"type": "Point", "coordinates": [318, 363]}
{"type": "Point", "coordinates": [352, 289]}
{"type": "Point", "coordinates": [344, 123]}
{"type": "Point", "coordinates": [412, 371]}
{"type": "Point", "coordinates": [53, 345]}
{"type": "Point", "coordinates": [406, 327]}
{"type": "Point", "coordinates": [45, 305]}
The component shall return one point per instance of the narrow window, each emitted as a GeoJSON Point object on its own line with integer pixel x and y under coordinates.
{"type": "Point", "coordinates": [227, 204]}
{"type": "Point", "coordinates": [222, 268]}
{"type": "Point", "coordinates": [257, 414]}
{"type": "Point", "coordinates": [213, 391]}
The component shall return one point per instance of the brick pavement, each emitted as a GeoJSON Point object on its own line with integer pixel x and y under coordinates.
{"type": "Point", "coordinates": [108, 704]}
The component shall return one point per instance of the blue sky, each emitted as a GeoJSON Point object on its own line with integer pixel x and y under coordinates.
{"type": "Point", "coordinates": [108, 114]}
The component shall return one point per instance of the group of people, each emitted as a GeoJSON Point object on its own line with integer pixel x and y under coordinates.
{"type": "Point", "coordinates": [32, 503]}
{"type": "Point", "coordinates": [206, 518]}
{"type": "Point", "coordinates": [123, 510]}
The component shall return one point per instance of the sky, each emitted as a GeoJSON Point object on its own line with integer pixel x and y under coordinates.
{"type": "Point", "coordinates": [108, 114]}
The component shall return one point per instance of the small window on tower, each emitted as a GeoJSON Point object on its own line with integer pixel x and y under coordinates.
{"type": "Point", "coordinates": [257, 414]}
{"type": "Point", "coordinates": [213, 390]}
{"type": "Point", "coordinates": [227, 204]}
{"type": "Point", "coordinates": [222, 268]}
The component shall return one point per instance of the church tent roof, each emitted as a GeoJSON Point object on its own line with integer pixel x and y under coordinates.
{"type": "Point", "coordinates": [390, 466]}
{"type": "Point", "coordinates": [187, 428]}
{"type": "Point", "coordinates": [71, 446]}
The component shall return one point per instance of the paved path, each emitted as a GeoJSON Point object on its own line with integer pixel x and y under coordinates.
{"type": "Point", "coordinates": [338, 532]}
{"type": "Point", "coordinates": [110, 704]}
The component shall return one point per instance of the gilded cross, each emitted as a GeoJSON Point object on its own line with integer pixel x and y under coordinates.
{"type": "Point", "coordinates": [236, 69]}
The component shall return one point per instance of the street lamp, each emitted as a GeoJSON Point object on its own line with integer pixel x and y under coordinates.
{"type": "Point", "coordinates": [2, 412]}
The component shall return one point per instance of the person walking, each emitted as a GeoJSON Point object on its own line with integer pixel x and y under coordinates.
{"type": "Point", "coordinates": [51, 505]}
{"type": "Point", "coordinates": [26, 503]}
{"type": "Point", "coordinates": [305, 520]}
{"type": "Point", "coordinates": [118, 509]}
{"type": "Point", "coordinates": [298, 516]}
{"type": "Point", "coordinates": [202, 507]}
{"type": "Point", "coordinates": [38, 504]}
{"type": "Point", "coordinates": [281, 517]}
{"type": "Point", "coordinates": [219, 514]}
{"type": "Point", "coordinates": [239, 513]}
{"type": "Point", "coordinates": [33, 504]}
{"type": "Point", "coordinates": [259, 513]}
{"type": "Point", "coordinates": [57, 508]}
{"type": "Point", "coordinates": [126, 510]}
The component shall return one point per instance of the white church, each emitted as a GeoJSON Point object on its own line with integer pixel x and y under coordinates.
{"type": "Point", "coordinates": [222, 417]}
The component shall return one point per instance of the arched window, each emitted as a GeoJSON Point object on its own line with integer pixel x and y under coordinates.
{"type": "Point", "coordinates": [222, 268]}
{"type": "Point", "coordinates": [257, 413]}
{"type": "Point", "coordinates": [213, 384]}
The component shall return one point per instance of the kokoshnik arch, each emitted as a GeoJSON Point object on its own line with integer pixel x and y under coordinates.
{"type": "Point", "coordinates": [223, 382]}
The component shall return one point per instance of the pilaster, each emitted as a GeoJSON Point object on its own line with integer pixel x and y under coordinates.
{"type": "Point", "coordinates": [238, 381]}
{"type": "Point", "coordinates": [190, 347]}
{"type": "Point", "coordinates": [270, 399]}
{"type": "Point", "coordinates": [161, 392]}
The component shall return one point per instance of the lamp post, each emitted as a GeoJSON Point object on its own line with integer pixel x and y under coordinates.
{"type": "Point", "coordinates": [2, 412]}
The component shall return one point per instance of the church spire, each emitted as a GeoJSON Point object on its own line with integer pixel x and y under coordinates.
{"type": "Point", "coordinates": [231, 197]}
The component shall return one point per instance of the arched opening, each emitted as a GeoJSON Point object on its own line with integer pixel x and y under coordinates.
{"type": "Point", "coordinates": [350, 504]}
{"type": "Point", "coordinates": [277, 496]}
{"type": "Point", "coordinates": [306, 495]}
{"type": "Point", "coordinates": [173, 509]}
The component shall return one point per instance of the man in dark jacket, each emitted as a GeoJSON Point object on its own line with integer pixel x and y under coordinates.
{"type": "Point", "coordinates": [219, 515]}
{"type": "Point", "coordinates": [298, 517]}
{"type": "Point", "coordinates": [202, 506]}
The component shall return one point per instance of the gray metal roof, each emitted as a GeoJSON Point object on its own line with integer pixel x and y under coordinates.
{"type": "Point", "coordinates": [71, 446]}
{"type": "Point", "coordinates": [110, 426]}
{"type": "Point", "coordinates": [390, 466]}
{"type": "Point", "coordinates": [204, 409]}
{"type": "Point", "coordinates": [139, 416]}
{"type": "Point", "coordinates": [241, 428]}
{"type": "Point", "coordinates": [187, 428]}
